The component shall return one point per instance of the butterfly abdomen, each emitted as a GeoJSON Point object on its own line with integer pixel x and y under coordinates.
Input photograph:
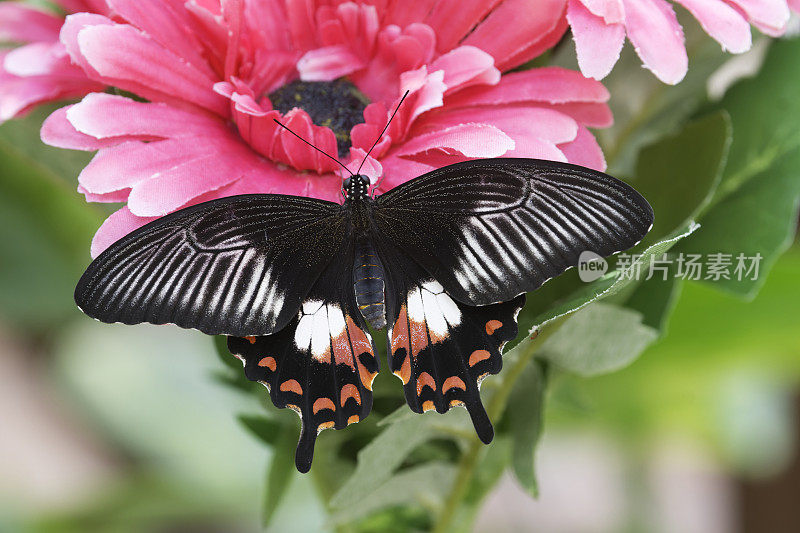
{"type": "Point", "coordinates": [368, 285]}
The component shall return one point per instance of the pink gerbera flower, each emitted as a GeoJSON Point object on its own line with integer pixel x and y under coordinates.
{"type": "Point", "coordinates": [216, 74]}
{"type": "Point", "coordinates": [599, 28]}
{"type": "Point", "coordinates": [40, 71]}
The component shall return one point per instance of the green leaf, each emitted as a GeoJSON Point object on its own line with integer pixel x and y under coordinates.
{"type": "Point", "coordinates": [679, 174]}
{"type": "Point", "coordinates": [609, 285]}
{"type": "Point", "coordinates": [764, 111]}
{"type": "Point", "coordinates": [267, 430]}
{"type": "Point", "coordinates": [758, 219]}
{"type": "Point", "coordinates": [755, 209]}
{"type": "Point", "coordinates": [524, 415]}
{"type": "Point", "coordinates": [45, 231]}
{"type": "Point", "coordinates": [598, 339]}
{"type": "Point", "coordinates": [22, 135]}
{"type": "Point", "coordinates": [421, 485]}
{"type": "Point", "coordinates": [378, 460]}
{"type": "Point", "coordinates": [645, 108]}
{"type": "Point", "coordinates": [280, 473]}
{"type": "Point", "coordinates": [655, 299]}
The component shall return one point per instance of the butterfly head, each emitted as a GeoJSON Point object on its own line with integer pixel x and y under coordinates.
{"type": "Point", "coordinates": [356, 187]}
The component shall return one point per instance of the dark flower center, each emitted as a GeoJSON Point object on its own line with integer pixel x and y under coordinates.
{"type": "Point", "coordinates": [337, 105]}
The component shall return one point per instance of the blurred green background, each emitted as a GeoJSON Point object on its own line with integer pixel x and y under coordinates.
{"type": "Point", "coordinates": [114, 428]}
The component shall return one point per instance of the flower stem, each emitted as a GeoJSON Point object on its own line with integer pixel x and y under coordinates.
{"type": "Point", "coordinates": [497, 405]}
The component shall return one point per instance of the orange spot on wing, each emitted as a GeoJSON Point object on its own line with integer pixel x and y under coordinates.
{"type": "Point", "coordinates": [251, 339]}
{"type": "Point", "coordinates": [325, 425]}
{"type": "Point", "coordinates": [358, 338]}
{"type": "Point", "coordinates": [349, 391]}
{"type": "Point", "coordinates": [291, 386]}
{"type": "Point", "coordinates": [493, 325]}
{"type": "Point", "coordinates": [419, 337]}
{"type": "Point", "coordinates": [400, 332]}
{"type": "Point", "coordinates": [361, 344]}
{"type": "Point", "coordinates": [454, 403]}
{"type": "Point", "coordinates": [405, 370]}
{"type": "Point", "coordinates": [366, 376]}
{"type": "Point", "coordinates": [353, 419]}
{"type": "Point", "coordinates": [478, 356]}
{"type": "Point", "coordinates": [293, 407]}
{"type": "Point", "coordinates": [269, 362]}
{"type": "Point", "coordinates": [342, 353]}
{"type": "Point", "coordinates": [423, 380]}
{"type": "Point", "coordinates": [323, 403]}
{"type": "Point", "coordinates": [428, 406]}
{"type": "Point", "coordinates": [453, 382]}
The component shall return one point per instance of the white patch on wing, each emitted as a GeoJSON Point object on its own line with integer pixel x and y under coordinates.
{"type": "Point", "coordinates": [319, 323]}
{"type": "Point", "coordinates": [434, 307]}
{"type": "Point", "coordinates": [433, 315]}
{"type": "Point", "coordinates": [336, 323]}
{"type": "Point", "coordinates": [311, 306]}
{"type": "Point", "coordinates": [433, 286]}
{"type": "Point", "coordinates": [302, 335]}
{"type": "Point", "coordinates": [321, 335]}
{"type": "Point", "coordinates": [416, 311]}
{"type": "Point", "coordinates": [451, 312]}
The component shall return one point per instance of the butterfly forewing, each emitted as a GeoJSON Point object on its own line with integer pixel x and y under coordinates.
{"type": "Point", "coordinates": [238, 266]}
{"type": "Point", "coordinates": [489, 230]}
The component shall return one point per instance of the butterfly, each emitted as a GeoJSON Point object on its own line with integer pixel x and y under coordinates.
{"type": "Point", "coordinates": [442, 262]}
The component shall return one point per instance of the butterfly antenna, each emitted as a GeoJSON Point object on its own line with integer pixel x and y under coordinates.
{"type": "Point", "coordinates": [381, 135]}
{"type": "Point", "coordinates": [312, 146]}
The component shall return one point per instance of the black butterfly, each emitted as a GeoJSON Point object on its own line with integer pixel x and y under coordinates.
{"type": "Point", "coordinates": [442, 261]}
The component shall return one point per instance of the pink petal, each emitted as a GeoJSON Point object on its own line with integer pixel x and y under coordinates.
{"type": "Point", "coordinates": [20, 94]}
{"type": "Point", "coordinates": [127, 58]}
{"type": "Point", "coordinates": [328, 63]}
{"type": "Point", "coordinates": [722, 22]}
{"type": "Point", "coordinates": [25, 24]}
{"type": "Point", "coordinates": [770, 16]}
{"type": "Point", "coordinates": [466, 66]}
{"type": "Point", "coordinates": [554, 85]}
{"type": "Point", "coordinates": [114, 197]}
{"type": "Point", "coordinates": [172, 188]}
{"type": "Point", "coordinates": [520, 123]}
{"type": "Point", "coordinates": [470, 140]}
{"type": "Point", "coordinates": [397, 170]}
{"type": "Point", "coordinates": [115, 227]}
{"type": "Point", "coordinates": [597, 43]}
{"type": "Point", "coordinates": [167, 25]}
{"type": "Point", "coordinates": [73, 25]}
{"type": "Point", "coordinates": [584, 151]}
{"type": "Point", "coordinates": [658, 38]}
{"type": "Point", "coordinates": [405, 13]}
{"type": "Point", "coordinates": [265, 178]}
{"type": "Point", "coordinates": [611, 11]}
{"type": "Point", "coordinates": [59, 132]}
{"type": "Point", "coordinates": [795, 5]}
{"type": "Point", "coordinates": [362, 164]}
{"type": "Point", "coordinates": [514, 26]}
{"type": "Point", "coordinates": [130, 163]}
{"type": "Point", "coordinates": [40, 59]}
{"type": "Point", "coordinates": [454, 20]}
{"type": "Point", "coordinates": [105, 116]}
{"type": "Point", "coordinates": [89, 6]}
{"type": "Point", "coordinates": [587, 113]}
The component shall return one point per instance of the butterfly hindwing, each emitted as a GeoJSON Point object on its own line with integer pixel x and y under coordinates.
{"type": "Point", "coordinates": [239, 265]}
{"type": "Point", "coordinates": [441, 349]}
{"type": "Point", "coordinates": [491, 229]}
{"type": "Point", "coordinates": [321, 364]}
